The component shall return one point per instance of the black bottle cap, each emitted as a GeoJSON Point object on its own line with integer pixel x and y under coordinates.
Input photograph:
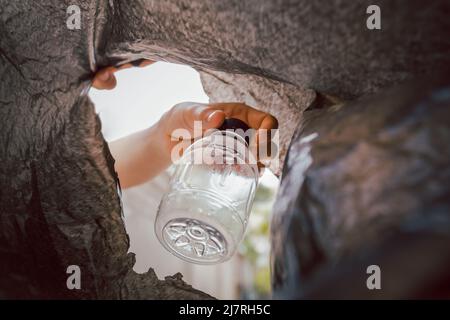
{"type": "Point", "coordinates": [233, 124]}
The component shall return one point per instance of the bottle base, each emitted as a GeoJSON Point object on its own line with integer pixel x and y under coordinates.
{"type": "Point", "coordinates": [194, 241]}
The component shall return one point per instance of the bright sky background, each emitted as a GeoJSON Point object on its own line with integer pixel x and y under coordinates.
{"type": "Point", "coordinates": [142, 96]}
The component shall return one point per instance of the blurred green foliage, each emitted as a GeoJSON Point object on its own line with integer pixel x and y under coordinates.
{"type": "Point", "coordinates": [255, 247]}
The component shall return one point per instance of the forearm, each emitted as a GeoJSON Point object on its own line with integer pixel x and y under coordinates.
{"type": "Point", "coordinates": [140, 156]}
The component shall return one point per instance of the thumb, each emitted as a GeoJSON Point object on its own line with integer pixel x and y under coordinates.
{"type": "Point", "coordinates": [188, 113]}
{"type": "Point", "coordinates": [211, 118]}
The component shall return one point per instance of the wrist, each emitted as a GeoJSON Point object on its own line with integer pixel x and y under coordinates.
{"type": "Point", "coordinates": [160, 141]}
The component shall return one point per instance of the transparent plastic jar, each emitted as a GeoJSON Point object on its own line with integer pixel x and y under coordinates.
{"type": "Point", "coordinates": [204, 215]}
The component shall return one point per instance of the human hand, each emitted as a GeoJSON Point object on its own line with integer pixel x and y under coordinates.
{"type": "Point", "coordinates": [211, 116]}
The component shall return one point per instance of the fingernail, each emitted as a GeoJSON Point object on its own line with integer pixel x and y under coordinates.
{"type": "Point", "coordinates": [210, 115]}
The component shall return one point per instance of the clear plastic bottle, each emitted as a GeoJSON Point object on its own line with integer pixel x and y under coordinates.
{"type": "Point", "coordinates": [203, 217]}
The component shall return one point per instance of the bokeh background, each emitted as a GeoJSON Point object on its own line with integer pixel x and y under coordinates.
{"type": "Point", "coordinates": [141, 97]}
